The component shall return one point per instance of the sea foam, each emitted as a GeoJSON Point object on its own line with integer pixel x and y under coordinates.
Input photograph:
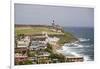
{"type": "Point", "coordinates": [83, 39]}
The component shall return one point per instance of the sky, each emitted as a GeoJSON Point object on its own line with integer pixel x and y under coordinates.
{"type": "Point", "coordinates": [45, 14]}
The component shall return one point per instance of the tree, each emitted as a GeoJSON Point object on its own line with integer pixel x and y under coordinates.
{"type": "Point", "coordinates": [28, 62]}
{"type": "Point", "coordinates": [49, 48]}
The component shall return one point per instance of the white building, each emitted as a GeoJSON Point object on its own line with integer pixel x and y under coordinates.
{"type": "Point", "coordinates": [23, 42]}
{"type": "Point", "coordinates": [52, 40]}
{"type": "Point", "coordinates": [36, 45]}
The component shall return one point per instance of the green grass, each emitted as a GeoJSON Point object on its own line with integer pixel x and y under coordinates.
{"type": "Point", "coordinates": [67, 38]}
{"type": "Point", "coordinates": [34, 30]}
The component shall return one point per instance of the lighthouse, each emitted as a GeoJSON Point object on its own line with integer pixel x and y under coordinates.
{"type": "Point", "coordinates": [53, 24]}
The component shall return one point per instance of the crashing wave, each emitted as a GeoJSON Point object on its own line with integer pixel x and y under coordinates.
{"type": "Point", "coordinates": [83, 39]}
{"type": "Point", "coordinates": [73, 45]}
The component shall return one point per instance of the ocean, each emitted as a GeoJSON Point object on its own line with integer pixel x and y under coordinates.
{"type": "Point", "coordinates": [83, 48]}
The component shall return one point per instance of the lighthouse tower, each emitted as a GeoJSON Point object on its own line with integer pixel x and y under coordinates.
{"type": "Point", "coordinates": [53, 24]}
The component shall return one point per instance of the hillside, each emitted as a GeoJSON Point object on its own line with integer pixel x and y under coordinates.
{"type": "Point", "coordinates": [65, 37]}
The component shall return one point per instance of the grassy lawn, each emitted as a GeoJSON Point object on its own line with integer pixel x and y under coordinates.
{"type": "Point", "coordinates": [67, 38]}
{"type": "Point", "coordinates": [34, 30]}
